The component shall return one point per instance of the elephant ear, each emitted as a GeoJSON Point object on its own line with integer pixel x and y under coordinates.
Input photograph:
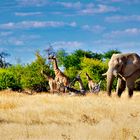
{"type": "Point", "coordinates": [132, 64]}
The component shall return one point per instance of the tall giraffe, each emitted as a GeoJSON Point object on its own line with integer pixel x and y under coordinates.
{"type": "Point", "coordinates": [51, 81]}
{"type": "Point", "coordinates": [60, 77]}
{"type": "Point", "coordinates": [91, 84]}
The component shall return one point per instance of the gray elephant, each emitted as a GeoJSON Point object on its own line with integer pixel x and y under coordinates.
{"type": "Point", "coordinates": [126, 67]}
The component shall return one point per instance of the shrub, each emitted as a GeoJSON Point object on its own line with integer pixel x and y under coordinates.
{"type": "Point", "coordinates": [8, 80]}
{"type": "Point", "coordinates": [95, 69]}
{"type": "Point", "coordinates": [32, 78]}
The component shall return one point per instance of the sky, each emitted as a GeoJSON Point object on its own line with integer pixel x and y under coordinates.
{"type": "Point", "coordinates": [27, 26]}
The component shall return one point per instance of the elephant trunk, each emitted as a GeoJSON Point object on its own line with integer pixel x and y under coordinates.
{"type": "Point", "coordinates": [110, 77]}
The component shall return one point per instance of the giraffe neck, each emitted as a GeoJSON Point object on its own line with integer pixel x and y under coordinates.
{"type": "Point", "coordinates": [88, 77]}
{"type": "Point", "coordinates": [55, 66]}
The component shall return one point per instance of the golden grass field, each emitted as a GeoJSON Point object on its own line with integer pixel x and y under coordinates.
{"type": "Point", "coordinates": [53, 117]}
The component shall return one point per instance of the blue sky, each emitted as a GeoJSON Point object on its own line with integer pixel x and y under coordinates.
{"type": "Point", "coordinates": [96, 25]}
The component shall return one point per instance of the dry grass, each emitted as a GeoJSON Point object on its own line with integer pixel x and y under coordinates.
{"type": "Point", "coordinates": [53, 117]}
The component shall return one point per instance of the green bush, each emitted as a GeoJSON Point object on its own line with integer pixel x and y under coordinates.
{"type": "Point", "coordinates": [32, 78]}
{"type": "Point", "coordinates": [8, 80]}
{"type": "Point", "coordinates": [95, 69]}
{"type": "Point", "coordinates": [18, 77]}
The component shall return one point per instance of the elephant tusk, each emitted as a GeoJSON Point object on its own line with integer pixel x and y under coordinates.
{"type": "Point", "coordinates": [119, 75]}
{"type": "Point", "coordinates": [104, 74]}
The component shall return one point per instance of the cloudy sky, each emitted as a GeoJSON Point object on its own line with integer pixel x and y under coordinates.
{"type": "Point", "coordinates": [95, 25]}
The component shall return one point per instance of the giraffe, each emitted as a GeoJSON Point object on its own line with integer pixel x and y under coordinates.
{"type": "Point", "coordinates": [60, 77]}
{"type": "Point", "coordinates": [91, 84]}
{"type": "Point", "coordinates": [96, 88]}
{"type": "Point", "coordinates": [52, 82]}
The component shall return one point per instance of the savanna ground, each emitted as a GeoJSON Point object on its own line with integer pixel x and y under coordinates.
{"type": "Point", "coordinates": [53, 117]}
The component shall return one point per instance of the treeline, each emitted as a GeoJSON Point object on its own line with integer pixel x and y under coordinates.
{"type": "Point", "coordinates": [19, 77]}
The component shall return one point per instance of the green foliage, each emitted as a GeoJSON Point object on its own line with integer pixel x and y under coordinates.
{"type": "Point", "coordinates": [95, 69]}
{"type": "Point", "coordinates": [8, 80]}
{"type": "Point", "coordinates": [29, 76]}
{"type": "Point", "coordinates": [71, 72]}
{"type": "Point", "coordinates": [95, 64]}
{"type": "Point", "coordinates": [25, 77]}
{"type": "Point", "coordinates": [61, 55]}
{"type": "Point", "coordinates": [32, 77]}
{"type": "Point", "coordinates": [3, 63]}
{"type": "Point", "coordinates": [17, 71]}
{"type": "Point", "coordinates": [74, 59]}
{"type": "Point", "coordinates": [108, 54]}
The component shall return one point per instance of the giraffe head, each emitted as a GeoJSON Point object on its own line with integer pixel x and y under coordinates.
{"type": "Point", "coordinates": [52, 57]}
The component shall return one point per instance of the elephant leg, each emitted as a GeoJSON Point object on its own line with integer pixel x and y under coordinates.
{"type": "Point", "coordinates": [130, 86]}
{"type": "Point", "coordinates": [131, 82]}
{"type": "Point", "coordinates": [120, 86]}
{"type": "Point", "coordinates": [130, 92]}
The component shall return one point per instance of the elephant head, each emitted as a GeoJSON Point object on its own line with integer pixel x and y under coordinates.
{"type": "Point", "coordinates": [123, 66]}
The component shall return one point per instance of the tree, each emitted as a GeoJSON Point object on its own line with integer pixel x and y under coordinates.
{"type": "Point", "coordinates": [61, 56]}
{"type": "Point", "coordinates": [95, 68]}
{"type": "Point", "coordinates": [108, 54]}
{"type": "Point", "coordinates": [3, 63]}
{"type": "Point", "coordinates": [74, 59]}
{"type": "Point", "coordinates": [32, 78]}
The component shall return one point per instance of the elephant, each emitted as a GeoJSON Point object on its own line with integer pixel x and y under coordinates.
{"type": "Point", "coordinates": [126, 67]}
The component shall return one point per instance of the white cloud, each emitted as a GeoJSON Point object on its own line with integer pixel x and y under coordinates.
{"type": "Point", "coordinates": [37, 3]}
{"type": "Point", "coordinates": [16, 42]}
{"type": "Point", "coordinates": [21, 40]}
{"type": "Point", "coordinates": [97, 10]}
{"type": "Point", "coordinates": [11, 41]}
{"type": "Point", "coordinates": [105, 8]}
{"type": "Point", "coordinates": [95, 28]}
{"type": "Point", "coordinates": [130, 32]}
{"type": "Point", "coordinates": [104, 45]}
{"type": "Point", "coordinates": [36, 24]}
{"type": "Point", "coordinates": [75, 5]}
{"type": "Point", "coordinates": [4, 33]}
{"type": "Point", "coordinates": [80, 8]}
{"type": "Point", "coordinates": [73, 24]}
{"type": "Point", "coordinates": [67, 44]}
{"type": "Point", "coordinates": [123, 18]}
{"type": "Point", "coordinates": [119, 1]}
{"type": "Point", "coordinates": [22, 14]}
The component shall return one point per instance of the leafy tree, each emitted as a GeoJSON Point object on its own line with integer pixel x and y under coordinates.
{"type": "Point", "coordinates": [95, 68]}
{"type": "Point", "coordinates": [3, 63]}
{"type": "Point", "coordinates": [17, 71]}
{"type": "Point", "coordinates": [74, 59]}
{"type": "Point", "coordinates": [61, 55]}
{"type": "Point", "coordinates": [29, 76]}
{"type": "Point", "coordinates": [8, 80]}
{"type": "Point", "coordinates": [108, 54]}
{"type": "Point", "coordinates": [32, 77]}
